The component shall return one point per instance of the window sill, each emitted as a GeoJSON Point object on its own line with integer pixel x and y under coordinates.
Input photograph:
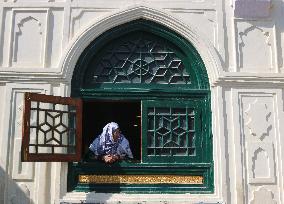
{"type": "Point", "coordinates": [137, 163]}
{"type": "Point", "coordinates": [128, 177]}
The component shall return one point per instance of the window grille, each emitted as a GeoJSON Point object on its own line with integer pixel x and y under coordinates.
{"type": "Point", "coordinates": [171, 131]}
{"type": "Point", "coordinates": [52, 128]}
{"type": "Point", "coordinates": [140, 58]}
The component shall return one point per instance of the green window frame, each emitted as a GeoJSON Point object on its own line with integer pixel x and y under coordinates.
{"type": "Point", "coordinates": [194, 95]}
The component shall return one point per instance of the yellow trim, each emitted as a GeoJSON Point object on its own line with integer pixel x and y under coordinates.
{"type": "Point", "coordinates": [140, 179]}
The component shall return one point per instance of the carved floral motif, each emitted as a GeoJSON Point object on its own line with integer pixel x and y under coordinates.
{"type": "Point", "coordinates": [263, 195]}
{"type": "Point", "coordinates": [259, 126]}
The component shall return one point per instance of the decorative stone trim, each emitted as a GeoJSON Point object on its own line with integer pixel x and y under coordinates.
{"type": "Point", "coordinates": [140, 179]}
{"type": "Point", "coordinates": [95, 197]}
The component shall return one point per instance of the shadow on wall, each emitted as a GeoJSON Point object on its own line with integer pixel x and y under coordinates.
{"type": "Point", "coordinates": [18, 192]}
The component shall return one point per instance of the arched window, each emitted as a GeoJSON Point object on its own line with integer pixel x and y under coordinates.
{"type": "Point", "coordinates": [154, 84]}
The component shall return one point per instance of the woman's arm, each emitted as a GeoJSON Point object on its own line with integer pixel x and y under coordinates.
{"type": "Point", "coordinates": [94, 146]}
{"type": "Point", "coordinates": [124, 150]}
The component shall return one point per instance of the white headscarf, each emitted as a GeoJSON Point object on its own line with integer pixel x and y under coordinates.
{"type": "Point", "coordinates": [107, 132]}
{"type": "Point", "coordinates": [104, 144]}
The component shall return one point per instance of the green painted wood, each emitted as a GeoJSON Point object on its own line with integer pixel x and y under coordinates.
{"type": "Point", "coordinates": [93, 79]}
{"type": "Point", "coordinates": [128, 168]}
{"type": "Point", "coordinates": [170, 122]}
{"type": "Point", "coordinates": [93, 55]}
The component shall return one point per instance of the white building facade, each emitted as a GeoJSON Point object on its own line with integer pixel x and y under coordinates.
{"type": "Point", "coordinates": [241, 44]}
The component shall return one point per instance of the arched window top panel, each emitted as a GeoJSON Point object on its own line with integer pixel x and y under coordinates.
{"type": "Point", "coordinates": [140, 54]}
{"type": "Point", "coordinates": [137, 58]}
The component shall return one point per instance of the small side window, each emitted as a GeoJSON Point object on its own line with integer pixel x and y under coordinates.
{"type": "Point", "coordinates": [52, 128]}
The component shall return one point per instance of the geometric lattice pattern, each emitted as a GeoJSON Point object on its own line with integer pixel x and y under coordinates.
{"type": "Point", "coordinates": [140, 59]}
{"type": "Point", "coordinates": [171, 131]}
{"type": "Point", "coordinates": [54, 131]}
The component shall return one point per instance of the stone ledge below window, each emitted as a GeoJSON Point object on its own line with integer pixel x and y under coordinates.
{"type": "Point", "coordinates": [108, 198]}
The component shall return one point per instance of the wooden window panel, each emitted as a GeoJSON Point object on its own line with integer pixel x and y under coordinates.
{"type": "Point", "coordinates": [52, 128]}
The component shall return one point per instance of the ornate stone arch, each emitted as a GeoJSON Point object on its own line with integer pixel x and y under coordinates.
{"type": "Point", "coordinates": [204, 48]}
{"type": "Point", "coordinates": [91, 32]}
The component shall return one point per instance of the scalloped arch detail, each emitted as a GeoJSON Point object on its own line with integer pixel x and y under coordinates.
{"type": "Point", "coordinates": [77, 45]}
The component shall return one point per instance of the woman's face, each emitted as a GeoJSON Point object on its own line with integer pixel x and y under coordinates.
{"type": "Point", "coordinates": [116, 134]}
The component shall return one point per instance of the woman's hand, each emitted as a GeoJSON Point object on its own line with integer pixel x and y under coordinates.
{"type": "Point", "coordinates": [107, 158]}
{"type": "Point", "coordinates": [115, 158]}
{"type": "Point", "coordinates": [110, 158]}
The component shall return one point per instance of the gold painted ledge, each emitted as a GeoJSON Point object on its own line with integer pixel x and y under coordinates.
{"type": "Point", "coordinates": [140, 179]}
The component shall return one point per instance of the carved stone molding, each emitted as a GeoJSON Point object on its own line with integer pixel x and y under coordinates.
{"type": "Point", "coordinates": [263, 195]}
{"type": "Point", "coordinates": [244, 33]}
{"type": "Point", "coordinates": [254, 39]}
{"type": "Point", "coordinates": [86, 36]}
{"type": "Point", "coordinates": [78, 21]}
{"type": "Point", "coordinates": [260, 163]}
{"type": "Point", "coordinates": [25, 20]}
{"type": "Point", "coordinates": [257, 160]}
{"type": "Point", "coordinates": [27, 23]}
{"type": "Point", "coordinates": [259, 126]}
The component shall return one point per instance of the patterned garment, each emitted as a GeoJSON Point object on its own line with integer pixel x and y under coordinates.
{"type": "Point", "coordinates": [104, 143]}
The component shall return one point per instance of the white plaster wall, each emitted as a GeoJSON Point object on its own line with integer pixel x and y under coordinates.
{"type": "Point", "coordinates": [254, 116]}
{"type": "Point", "coordinates": [42, 39]}
{"type": "Point", "coordinates": [2, 172]}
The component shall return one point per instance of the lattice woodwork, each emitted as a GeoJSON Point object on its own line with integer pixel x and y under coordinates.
{"type": "Point", "coordinates": [141, 58]}
{"type": "Point", "coordinates": [171, 131]}
{"type": "Point", "coordinates": [56, 134]}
